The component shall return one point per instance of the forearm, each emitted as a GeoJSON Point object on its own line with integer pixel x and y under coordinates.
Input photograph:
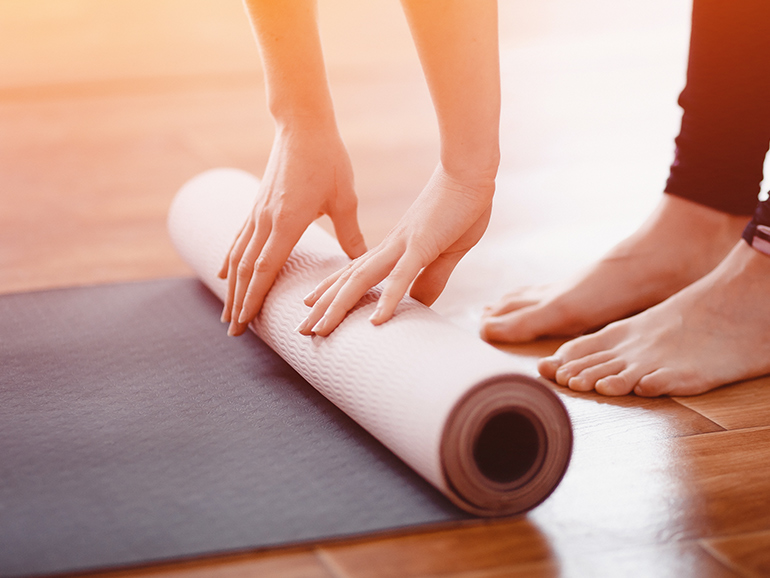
{"type": "Point", "coordinates": [297, 88]}
{"type": "Point", "coordinates": [458, 47]}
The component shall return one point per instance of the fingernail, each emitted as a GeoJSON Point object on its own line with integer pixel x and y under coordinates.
{"type": "Point", "coordinates": [231, 330]}
{"type": "Point", "coordinates": [224, 317]}
{"type": "Point", "coordinates": [320, 326]}
{"type": "Point", "coordinates": [302, 326]}
{"type": "Point", "coordinates": [243, 318]}
{"type": "Point", "coordinates": [488, 327]}
{"type": "Point", "coordinates": [309, 296]}
{"type": "Point", "coordinates": [375, 317]}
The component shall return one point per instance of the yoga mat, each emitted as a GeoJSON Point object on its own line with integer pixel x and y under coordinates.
{"type": "Point", "coordinates": [464, 415]}
{"type": "Point", "coordinates": [133, 430]}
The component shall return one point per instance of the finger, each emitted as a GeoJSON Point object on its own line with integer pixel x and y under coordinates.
{"type": "Point", "coordinates": [312, 298]}
{"type": "Point", "coordinates": [323, 301]}
{"type": "Point", "coordinates": [395, 287]}
{"type": "Point", "coordinates": [234, 258]}
{"type": "Point", "coordinates": [347, 292]}
{"type": "Point", "coordinates": [432, 280]}
{"type": "Point", "coordinates": [243, 273]}
{"type": "Point", "coordinates": [226, 265]}
{"type": "Point", "coordinates": [271, 259]}
{"type": "Point", "coordinates": [348, 231]}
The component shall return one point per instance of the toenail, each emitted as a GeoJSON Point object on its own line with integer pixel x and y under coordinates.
{"type": "Point", "coordinates": [553, 361]}
{"type": "Point", "coordinates": [601, 384]}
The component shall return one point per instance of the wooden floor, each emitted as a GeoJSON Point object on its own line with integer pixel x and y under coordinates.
{"type": "Point", "coordinates": [108, 106]}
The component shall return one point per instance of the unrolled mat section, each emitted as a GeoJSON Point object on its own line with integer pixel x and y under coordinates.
{"type": "Point", "coordinates": [464, 415]}
{"type": "Point", "coordinates": [133, 430]}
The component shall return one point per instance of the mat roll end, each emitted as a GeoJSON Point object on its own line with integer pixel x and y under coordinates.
{"type": "Point", "coordinates": [506, 446]}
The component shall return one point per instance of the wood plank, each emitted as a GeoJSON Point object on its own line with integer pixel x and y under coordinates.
{"type": "Point", "coordinates": [747, 553]}
{"type": "Point", "coordinates": [647, 493]}
{"type": "Point", "coordinates": [655, 491]}
{"type": "Point", "coordinates": [480, 554]}
{"type": "Point", "coordinates": [740, 405]}
{"type": "Point", "coordinates": [481, 546]}
{"type": "Point", "coordinates": [728, 474]}
{"type": "Point", "coordinates": [678, 560]}
{"type": "Point", "coordinates": [287, 564]}
{"type": "Point", "coordinates": [87, 181]}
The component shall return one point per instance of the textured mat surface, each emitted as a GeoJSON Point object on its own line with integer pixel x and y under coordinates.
{"type": "Point", "coordinates": [132, 429]}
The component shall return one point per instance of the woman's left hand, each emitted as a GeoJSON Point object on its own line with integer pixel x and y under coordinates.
{"type": "Point", "coordinates": [445, 221]}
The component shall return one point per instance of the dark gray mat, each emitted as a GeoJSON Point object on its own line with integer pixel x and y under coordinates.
{"type": "Point", "coordinates": [132, 429]}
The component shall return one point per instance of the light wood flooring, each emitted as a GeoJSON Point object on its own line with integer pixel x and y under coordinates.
{"type": "Point", "coordinates": [108, 106]}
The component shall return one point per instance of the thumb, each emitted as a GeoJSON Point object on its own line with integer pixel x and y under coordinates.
{"type": "Point", "coordinates": [349, 233]}
{"type": "Point", "coordinates": [432, 280]}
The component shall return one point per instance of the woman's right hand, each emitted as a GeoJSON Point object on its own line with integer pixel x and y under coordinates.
{"type": "Point", "coordinates": [308, 175]}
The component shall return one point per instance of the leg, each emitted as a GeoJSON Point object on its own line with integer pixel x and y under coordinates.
{"type": "Point", "coordinates": [711, 333]}
{"type": "Point", "coordinates": [713, 188]}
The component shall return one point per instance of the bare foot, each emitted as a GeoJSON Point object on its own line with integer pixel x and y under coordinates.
{"type": "Point", "coordinates": [711, 333]}
{"type": "Point", "coordinates": [679, 243]}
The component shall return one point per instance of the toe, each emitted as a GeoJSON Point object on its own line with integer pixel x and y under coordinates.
{"type": "Point", "coordinates": [586, 345]}
{"type": "Point", "coordinates": [620, 384]}
{"type": "Point", "coordinates": [573, 368]}
{"type": "Point", "coordinates": [511, 302]}
{"type": "Point", "coordinates": [657, 383]}
{"type": "Point", "coordinates": [509, 327]}
{"type": "Point", "coordinates": [526, 324]}
{"type": "Point", "coordinates": [548, 366]}
{"type": "Point", "coordinates": [586, 380]}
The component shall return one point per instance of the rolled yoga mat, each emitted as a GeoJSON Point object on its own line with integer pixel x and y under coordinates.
{"type": "Point", "coordinates": [464, 415]}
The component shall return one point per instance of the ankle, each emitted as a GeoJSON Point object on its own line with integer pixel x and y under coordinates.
{"type": "Point", "coordinates": [706, 224]}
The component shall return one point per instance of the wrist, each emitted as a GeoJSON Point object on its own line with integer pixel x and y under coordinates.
{"type": "Point", "coordinates": [305, 120]}
{"type": "Point", "coordinates": [309, 135]}
{"type": "Point", "coordinates": [479, 183]}
{"type": "Point", "coordinates": [313, 113]}
{"type": "Point", "coordinates": [475, 166]}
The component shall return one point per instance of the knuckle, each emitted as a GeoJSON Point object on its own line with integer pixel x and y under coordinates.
{"type": "Point", "coordinates": [244, 269]}
{"type": "Point", "coordinates": [356, 275]}
{"type": "Point", "coordinates": [424, 252]}
{"type": "Point", "coordinates": [284, 215]}
{"type": "Point", "coordinates": [263, 265]}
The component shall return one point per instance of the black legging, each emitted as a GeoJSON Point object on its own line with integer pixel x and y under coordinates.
{"type": "Point", "coordinates": [725, 129]}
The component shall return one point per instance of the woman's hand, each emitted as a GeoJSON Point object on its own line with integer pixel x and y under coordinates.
{"type": "Point", "coordinates": [458, 48]}
{"type": "Point", "coordinates": [445, 221]}
{"type": "Point", "coordinates": [308, 174]}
